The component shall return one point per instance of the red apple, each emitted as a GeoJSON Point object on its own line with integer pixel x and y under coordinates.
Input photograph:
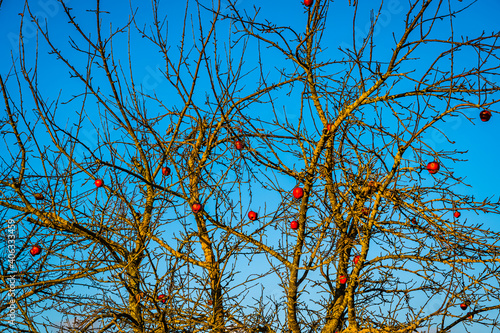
{"type": "Point", "coordinates": [294, 225]}
{"type": "Point", "coordinates": [35, 250]}
{"type": "Point", "coordinates": [485, 115]}
{"type": "Point", "coordinates": [463, 306]}
{"type": "Point", "coordinates": [342, 279]}
{"type": "Point", "coordinates": [470, 316]}
{"type": "Point", "coordinates": [433, 167]}
{"type": "Point", "coordinates": [308, 3]}
{"type": "Point", "coordinates": [165, 171]}
{"type": "Point", "coordinates": [239, 145]}
{"type": "Point", "coordinates": [414, 220]}
{"type": "Point", "coordinates": [162, 298]}
{"type": "Point", "coordinates": [196, 207]}
{"type": "Point", "coordinates": [356, 260]}
{"type": "Point", "coordinates": [366, 211]}
{"type": "Point", "coordinates": [252, 215]}
{"type": "Point", "coordinates": [209, 302]}
{"type": "Point", "coordinates": [329, 127]}
{"type": "Point", "coordinates": [38, 196]}
{"type": "Point", "coordinates": [298, 192]}
{"type": "Point", "coordinates": [456, 214]}
{"type": "Point", "coordinates": [98, 182]}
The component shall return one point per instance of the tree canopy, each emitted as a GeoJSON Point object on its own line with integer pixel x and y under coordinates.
{"type": "Point", "coordinates": [247, 167]}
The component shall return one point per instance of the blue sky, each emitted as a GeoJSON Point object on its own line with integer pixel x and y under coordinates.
{"type": "Point", "coordinates": [478, 138]}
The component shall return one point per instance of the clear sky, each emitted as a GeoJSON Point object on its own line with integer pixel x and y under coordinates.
{"type": "Point", "coordinates": [478, 138]}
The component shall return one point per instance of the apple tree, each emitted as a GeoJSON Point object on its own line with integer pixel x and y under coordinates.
{"type": "Point", "coordinates": [247, 167]}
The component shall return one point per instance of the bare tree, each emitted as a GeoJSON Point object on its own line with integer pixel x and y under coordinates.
{"type": "Point", "coordinates": [190, 197]}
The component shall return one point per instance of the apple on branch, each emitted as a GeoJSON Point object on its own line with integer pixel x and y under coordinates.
{"type": "Point", "coordinates": [196, 207]}
{"type": "Point", "coordinates": [485, 115]}
{"type": "Point", "coordinates": [252, 215]}
{"type": "Point", "coordinates": [239, 145]}
{"type": "Point", "coordinates": [433, 167]}
{"type": "Point", "coordinates": [298, 192]}
{"type": "Point", "coordinates": [35, 250]}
